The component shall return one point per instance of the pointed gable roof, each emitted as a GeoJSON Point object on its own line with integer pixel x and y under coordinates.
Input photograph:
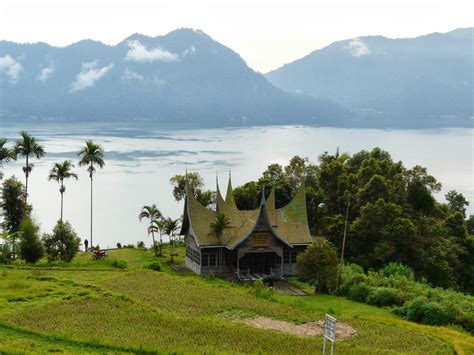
{"type": "Point", "coordinates": [229, 197]}
{"type": "Point", "coordinates": [289, 223]}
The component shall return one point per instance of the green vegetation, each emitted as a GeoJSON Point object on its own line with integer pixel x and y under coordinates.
{"type": "Point", "coordinates": [392, 215]}
{"type": "Point", "coordinates": [58, 173]}
{"type": "Point", "coordinates": [79, 307]}
{"type": "Point", "coordinates": [318, 264]}
{"type": "Point", "coordinates": [31, 247]}
{"type": "Point", "coordinates": [394, 286]}
{"type": "Point", "coordinates": [62, 244]}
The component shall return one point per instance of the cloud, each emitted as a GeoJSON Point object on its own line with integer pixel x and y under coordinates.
{"type": "Point", "coordinates": [358, 48]}
{"type": "Point", "coordinates": [139, 53]}
{"type": "Point", "coordinates": [10, 67]}
{"type": "Point", "coordinates": [45, 73]}
{"type": "Point", "coordinates": [88, 76]}
{"type": "Point", "coordinates": [131, 75]}
{"type": "Point", "coordinates": [190, 50]}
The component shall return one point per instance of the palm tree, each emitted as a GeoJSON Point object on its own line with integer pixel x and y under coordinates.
{"type": "Point", "coordinates": [158, 226]}
{"type": "Point", "coordinates": [153, 214]}
{"type": "Point", "coordinates": [58, 173]}
{"type": "Point", "coordinates": [220, 223]}
{"type": "Point", "coordinates": [25, 147]}
{"type": "Point", "coordinates": [5, 154]}
{"type": "Point", "coordinates": [171, 226]}
{"type": "Point", "coordinates": [91, 154]}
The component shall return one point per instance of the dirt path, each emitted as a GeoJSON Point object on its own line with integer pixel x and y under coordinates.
{"type": "Point", "coordinates": [343, 331]}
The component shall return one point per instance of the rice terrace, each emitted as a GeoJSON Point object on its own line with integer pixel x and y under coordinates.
{"type": "Point", "coordinates": [120, 305]}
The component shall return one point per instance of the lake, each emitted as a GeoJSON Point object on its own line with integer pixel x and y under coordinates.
{"type": "Point", "coordinates": [141, 159]}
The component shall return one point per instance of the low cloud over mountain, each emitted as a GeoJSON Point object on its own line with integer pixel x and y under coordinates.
{"type": "Point", "coordinates": [183, 77]}
{"type": "Point", "coordinates": [412, 82]}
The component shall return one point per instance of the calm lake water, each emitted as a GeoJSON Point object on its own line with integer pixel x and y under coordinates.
{"type": "Point", "coordinates": [140, 161]}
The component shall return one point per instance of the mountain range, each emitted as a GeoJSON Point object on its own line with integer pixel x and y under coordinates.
{"type": "Point", "coordinates": [185, 77]}
{"type": "Point", "coordinates": [409, 82]}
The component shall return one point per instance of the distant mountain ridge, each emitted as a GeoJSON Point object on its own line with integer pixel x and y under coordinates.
{"type": "Point", "coordinates": [185, 77]}
{"type": "Point", "coordinates": [411, 82]}
{"type": "Point", "coordinates": [182, 77]}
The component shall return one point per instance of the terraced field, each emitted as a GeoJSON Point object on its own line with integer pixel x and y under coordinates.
{"type": "Point", "coordinates": [100, 308]}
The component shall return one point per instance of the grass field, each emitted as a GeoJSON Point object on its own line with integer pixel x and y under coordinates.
{"type": "Point", "coordinates": [120, 306]}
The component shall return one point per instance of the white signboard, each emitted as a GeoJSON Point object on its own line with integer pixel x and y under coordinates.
{"type": "Point", "coordinates": [329, 332]}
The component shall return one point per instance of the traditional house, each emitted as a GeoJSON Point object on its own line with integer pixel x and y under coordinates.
{"type": "Point", "coordinates": [265, 240]}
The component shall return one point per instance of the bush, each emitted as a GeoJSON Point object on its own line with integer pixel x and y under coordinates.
{"type": "Point", "coordinates": [359, 292]}
{"type": "Point", "coordinates": [119, 246]}
{"type": "Point", "coordinates": [141, 245]}
{"type": "Point", "coordinates": [118, 264]}
{"type": "Point", "coordinates": [62, 244]}
{"type": "Point", "coordinates": [318, 264]}
{"type": "Point", "coordinates": [31, 248]}
{"type": "Point", "coordinates": [351, 274]}
{"type": "Point", "coordinates": [262, 292]}
{"type": "Point", "coordinates": [398, 269]}
{"type": "Point", "coordinates": [435, 314]}
{"type": "Point", "coordinates": [155, 265]}
{"type": "Point", "coordinates": [384, 296]}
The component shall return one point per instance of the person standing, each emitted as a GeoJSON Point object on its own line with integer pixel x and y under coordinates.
{"type": "Point", "coordinates": [86, 243]}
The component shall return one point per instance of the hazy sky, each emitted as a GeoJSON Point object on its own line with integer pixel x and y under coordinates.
{"type": "Point", "coordinates": [266, 34]}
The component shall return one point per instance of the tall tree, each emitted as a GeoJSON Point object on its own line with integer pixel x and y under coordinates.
{"type": "Point", "coordinates": [27, 146]}
{"type": "Point", "coordinates": [158, 226]}
{"type": "Point", "coordinates": [58, 173]}
{"type": "Point", "coordinates": [5, 154]}
{"type": "Point", "coordinates": [195, 184]}
{"type": "Point", "coordinates": [457, 202]}
{"type": "Point", "coordinates": [92, 155]}
{"type": "Point", "coordinates": [218, 226]}
{"type": "Point", "coordinates": [152, 214]}
{"type": "Point", "coordinates": [13, 205]}
{"type": "Point", "coordinates": [171, 226]}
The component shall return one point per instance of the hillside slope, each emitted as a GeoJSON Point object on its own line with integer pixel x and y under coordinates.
{"type": "Point", "coordinates": [411, 82]}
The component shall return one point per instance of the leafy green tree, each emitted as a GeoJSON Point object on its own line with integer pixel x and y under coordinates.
{"type": "Point", "coordinates": [6, 155]}
{"type": "Point", "coordinates": [27, 146]}
{"type": "Point", "coordinates": [318, 264]}
{"type": "Point", "coordinates": [92, 155]}
{"type": "Point", "coordinates": [220, 223]}
{"type": "Point", "coordinates": [420, 197]}
{"type": "Point", "coordinates": [196, 186]}
{"type": "Point", "coordinates": [31, 248]}
{"type": "Point", "coordinates": [59, 172]}
{"type": "Point", "coordinates": [171, 226]}
{"type": "Point", "coordinates": [152, 214]}
{"type": "Point", "coordinates": [62, 244]}
{"type": "Point", "coordinates": [13, 204]}
{"type": "Point", "coordinates": [457, 202]}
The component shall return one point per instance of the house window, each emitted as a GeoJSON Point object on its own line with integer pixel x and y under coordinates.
{"type": "Point", "coordinates": [205, 259]}
{"type": "Point", "coordinates": [260, 240]}
{"type": "Point", "coordinates": [289, 257]}
{"type": "Point", "coordinates": [212, 259]}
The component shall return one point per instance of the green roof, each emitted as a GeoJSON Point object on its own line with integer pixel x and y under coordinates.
{"type": "Point", "coordinates": [289, 223]}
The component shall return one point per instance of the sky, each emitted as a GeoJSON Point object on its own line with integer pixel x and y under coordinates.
{"type": "Point", "coordinates": [267, 34]}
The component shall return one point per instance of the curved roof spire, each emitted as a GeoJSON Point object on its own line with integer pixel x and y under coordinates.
{"type": "Point", "coordinates": [229, 197]}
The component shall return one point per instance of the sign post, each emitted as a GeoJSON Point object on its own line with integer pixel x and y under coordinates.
{"type": "Point", "coordinates": [329, 332]}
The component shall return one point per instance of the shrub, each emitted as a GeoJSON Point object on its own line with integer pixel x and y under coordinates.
{"type": "Point", "coordinates": [351, 274]}
{"type": "Point", "coordinates": [318, 264]}
{"type": "Point", "coordinates": [62, 244]}
{"type": "Point", "coordinates": [119, 246]}
{"type": "Point", "coordinates": [118, 264]}
{"type": "Point", "coordinates": [31, 248]}
{"type": "Point", "coordinates": [384, 296]}
{"type": "Point", "coordinates": [415, 309]}
{"type": "Point", "coordinates": [436, 314]}
{"type": "Point", "coordinates": [141, 245]}
{"type": "Point", "coordinates": [398, 269]}
{"type": "Point", "coordinates": [359, 292]}
{"type": "Point", "coordinates": [262, 292]}
{"type": "Point", "coordinates": [155, 265]}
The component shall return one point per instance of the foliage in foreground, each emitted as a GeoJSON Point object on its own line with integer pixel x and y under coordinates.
{"type": "Point", "coordinates": [395, 286]}
{"type": "Point", "coordinates": [62, 244]}
{"type": "Point", "coordinates": [318, 264]}
{"type": "Point", "coordinates": [31, 247]}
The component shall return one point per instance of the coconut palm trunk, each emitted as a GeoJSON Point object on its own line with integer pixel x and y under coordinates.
{"type": "Point", "coordinates": [26, 180]}
{"type": "Point", "coordinates": [92, 205]}
{"type": "Point", "coordinates": [62, 197]}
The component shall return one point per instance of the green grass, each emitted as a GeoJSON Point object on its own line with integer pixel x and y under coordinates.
{"type": "Point", "coordinates": [95, 307]}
